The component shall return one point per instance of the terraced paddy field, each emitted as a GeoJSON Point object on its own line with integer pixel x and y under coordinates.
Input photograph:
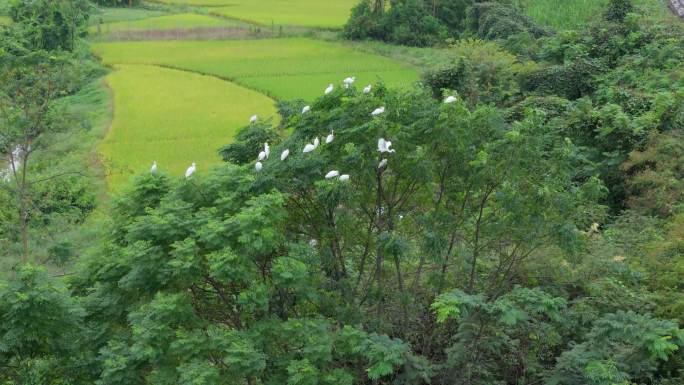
{"type": "Point", "coordinates": [307, 13]}
{"type": "Point", "coordinates": [166, 22]}
{"type": "Point", "coordinates": [173, 117]}
{"type": "Point", "coordinates": [282, 68]}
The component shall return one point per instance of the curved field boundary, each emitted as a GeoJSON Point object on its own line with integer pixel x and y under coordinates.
{"type": "Point", "coordinates": [173, 117]}
{"type": "Point", "coordinates": [293, 68]}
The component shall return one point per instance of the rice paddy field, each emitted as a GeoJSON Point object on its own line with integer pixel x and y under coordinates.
{"type": "Point", "coordinates": [173, 117]}
{"type": "Point", "coordinates": [166, 22]}
{"type": "Point", "coordinates": [307, 13]}
{"type": "Point", "coordinates": [115, 15]}
{"type": "Point", "coordinates": [289, 68]}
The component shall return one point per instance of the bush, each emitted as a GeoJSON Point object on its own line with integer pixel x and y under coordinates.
{"type": "Point", "coordinates": [481, 72]}
{"type": "Point", "coordinates": [491, 20]}
{"type": "Point", "coordinates": [571, 81]}
{"type": "Point", "coordinates": [408, 22]}
{"type": "Point", "coordinates": [618, 9]}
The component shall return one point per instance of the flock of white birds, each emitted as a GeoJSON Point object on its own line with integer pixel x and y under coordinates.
{"type": "Point", "coordinates": [383, 144]}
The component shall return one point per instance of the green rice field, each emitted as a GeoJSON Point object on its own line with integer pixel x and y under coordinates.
{"type": "Point", "coordinates": [166, 22]}
{"type": "Point", "coordinates": [115, 15]}
{"type": "Point", "coordinates": [173, 117]}
{"type": "Point", "coordinates": [283, 68]}
{"type": "Point", "coordinates": [308, 13]}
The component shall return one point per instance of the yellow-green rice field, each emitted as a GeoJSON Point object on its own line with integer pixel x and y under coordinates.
{"type": "Point", "coordinates": [173, 117]}
{"type": "Point", "coordinates": [283, 68]}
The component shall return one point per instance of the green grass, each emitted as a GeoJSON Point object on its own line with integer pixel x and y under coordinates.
{"type": "Point", "coordinates": [284, 68]}
{"type": "Point", "coordinates": [567, 14]}
{"type": "Point", "coordinates": [173, 117]}
{"type": "Point", "coordinates": [116, 15]}
{"type": "Point", "coordinates": [4, 20]}
{"type": "Point", "coordinates": [167, 22]}
{"type": "Point", "coordinates": [308, 13]}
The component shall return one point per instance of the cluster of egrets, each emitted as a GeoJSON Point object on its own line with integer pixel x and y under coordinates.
{"type": "Point", "coordinates": [383, 145]}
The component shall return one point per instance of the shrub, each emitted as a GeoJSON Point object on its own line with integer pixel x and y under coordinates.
{"type": "Point", "coordinates": [491, 20]}
{"type": "Point", "coordinates": [618, 9]}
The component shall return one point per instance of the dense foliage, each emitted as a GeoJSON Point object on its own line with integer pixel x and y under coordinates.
{"type": "Point", "coordinates": [430, 22]}
{"type": "Point", "coordinates": [528, 229]}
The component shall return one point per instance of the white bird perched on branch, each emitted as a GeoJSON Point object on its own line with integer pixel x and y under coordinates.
{"type": "Point", "coordinates": [153, 169]}
{"type": "Point", "coordinates": [285, 154]}
{"type": "Point", "coordinates": [344, 178]}
{"type": "Point", "coordinates": [382, 164]}
{"type": "Point", "coordinates": [253, 119]}
{"type": "Point", "coordinates": [349, 81]}
{"type": "Point", "coordinates": [384, 145]}
{"type": "Point", "coordinates": [316, 142]}
{"type": "Point", "coordinates": [258, 166]}
{"type": "Point", "coordinates": [332, 174]}
{"type": "Point", "coordinates": [378, 111]}
{"type": "Point", "coordinates": [262, 156]}
{"type": "Point", "coordinates": [329, 89]}
{"type": "Point", "coordinates": [449, 99]}
{"type": "Point", "coordinates": [330, 137]}
{"type": "Point", "coordinates": [191, 170]}
{"type": "Point", "coordinates": [308, 148]}
{"type": "Point", "coordinates": [267, 149]}
{"type": "Point", "coordinates": [306, 109]}
{"type": "Point", "coordinates": [367, 89]}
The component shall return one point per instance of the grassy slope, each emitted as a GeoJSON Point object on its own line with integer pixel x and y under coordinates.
{"type": "Point", "coordinates": [284, 68]}
{"type": "Point", "coordinates": [173, 117]}
{"type": "Point", "coordinates": [575, 13]}
{"type": "Point", "coordinates": [167, 22]}
{"type": "Point", "coordinates": [73, 151]}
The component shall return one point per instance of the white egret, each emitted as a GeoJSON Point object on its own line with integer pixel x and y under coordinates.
{"type": "Point", "coordinates": [306, 109]}
{"type": "Point", "coordinates": [308, 148]}
{"type": "Point", "coordinates": [191, 170]}
{"type": "Point", "coordinates": [378, 111]}
{"type": "Point", "coordinates": [330, 137]}
{"type": "Point", "coordinates": [349, 81]}
{"type": "Point", "coordinates": [262, 156]}
{"type": "Point", "coordinates": [285, 154]}
{"type": "Point", "coordinates": [384, 145]}
{"type": "Point", "coordinates": [367, 89]}
{"type": "Point", "coordinates": [316, 142]}
{"type": "Point", "coordinates": [153, 169]}
{"type": "Point", "coordinates": [258, 166]}
{"type": "Point", "coordinates": [344, 178]}
{"type": "Point", "coordinates": [313, 243]}
{"type": "Point", "coordinates": [332, 174]}
{"type": "Point", "coordinates": [450, 99]}
{"type": "Point", "coordinates": [329, 89]}
{"type": "Point", "coordinates": [253, 119]}
{"type": "Point", "coordinates": [382, 164]}
{"type": "Point", "coordinates": [267, 149]}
